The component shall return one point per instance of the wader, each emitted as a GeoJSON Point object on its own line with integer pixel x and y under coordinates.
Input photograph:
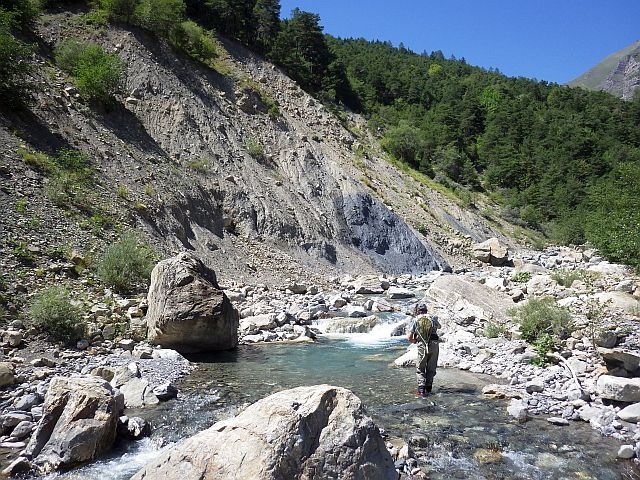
{"type": "Point", "coordinates": [428, 350]}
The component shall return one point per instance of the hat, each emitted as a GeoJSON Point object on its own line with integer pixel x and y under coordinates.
{"type": "Point", "coordinates": [421, 308]}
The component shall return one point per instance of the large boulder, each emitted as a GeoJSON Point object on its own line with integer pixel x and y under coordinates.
{"type": "Point", "coordinates": [316, 432]}
{"type": "Point", "coordinates": [619, 388]}
{"type": "Point", "coordinates": [79, 422]}
{"type": "Point", "coordinates": [188, 311]}
{"type": "Point", "coordinates": [350, 325]}
{"type": "Point", "coordinates": [468, 299]}
{"type": "Point", "coordinates": [491, 251]}
{"type": "Point", "coordinates": [7, 376]}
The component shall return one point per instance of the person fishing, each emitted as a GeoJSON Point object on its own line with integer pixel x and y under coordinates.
{"type": "Point", "coordinates": [423, 331]}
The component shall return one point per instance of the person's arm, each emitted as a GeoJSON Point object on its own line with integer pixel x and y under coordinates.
{"type": "Point", "coordinates": [412, 337]}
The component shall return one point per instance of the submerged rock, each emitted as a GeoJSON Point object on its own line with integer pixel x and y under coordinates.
{"type": "Point", "coordinates": [313, 432]}
{"type": "Point", "coordinates": [187, 309]}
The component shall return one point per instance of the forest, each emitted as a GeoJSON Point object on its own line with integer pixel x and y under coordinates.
{"type": "Point", "coordinates": [561, 160]}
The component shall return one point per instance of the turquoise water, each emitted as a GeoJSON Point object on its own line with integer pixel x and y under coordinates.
{"type": "Point", "coordinates": [461, 434]}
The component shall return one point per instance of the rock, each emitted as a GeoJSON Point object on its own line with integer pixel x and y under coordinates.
{"type": "Point", "coordinates": [79, 423]}
{"type": "Point", "coordinates": [534, 386]}
{"type": "Point", "coordinates": [137, 393]}
{"type": "Point", "coordinates": [297, 288]}
{"type": "Point", "coordinates": [619, 301]}
{"type": "Point", "coordinates": [558, 421]}
{"type": "Point", "coordinates": [408, 359]}
{"type": "Point", "coordinates": [26, 402]}
{"type": "Point", "coordinates": [13, 338]}
{"type": "Point", "coordinates": [540, 284]}
{"type": "Point", "coordinates": [607, 268]}
{"type": "Point", "coordinates": [618, 388]}
{"type": "Point", "coordinates": [395, 293]}
{"type": "Point", "coordinates": [518, 410]}
{"type": "Point", "coordinates": [134, 428]}
{"type": "Point", "coordinates": [165, 392]}
{"type": "Point", "coordinates": [615, 358]}
{"type": "Point", "coordinates": [127, 344]}
{"type": "Point", "coordinates": [626, 451]}
{"type": "Point", "coordinates": [82, 344]}
{"type": "Point", "coordinates": [630, 413]}
{"type": "Point", "coordinates": [307, 432]}
{"type": "Point", "coordinates": [22, 430]}
{"type": "Point", "coordinates": [187, 309]}
{"type": "Point", "coordinates": [350, 325]}
{"type": "Point", "coordinates": [369, 285]}
{"type": "Point", "coordinates": [354, 311]}
{"type": "Point", "coordinates": [470, 298]}
{"type": "Point", "coordinates": [606, 339]}
{"type": "Point", "coordinates": [7, 376]}
{"type": "Point", "coordinates": [106, 373]}
{"type": "Point", "coordinates": [19, 465]}
{"type": "Point", "coordinates": [259, 322]}
{"type": "Point", "coordinates": [11, 419]}
{"type": "Point", "coordinates": [337, 301]}
{"type": "Point", "coordinates": [491, 251]}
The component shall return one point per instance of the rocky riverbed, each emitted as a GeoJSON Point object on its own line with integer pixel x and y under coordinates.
{"type": "Point", "coordinates": [593, 377]}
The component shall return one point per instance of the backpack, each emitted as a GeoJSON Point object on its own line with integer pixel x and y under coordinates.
{"type": "Point", "coordinates": [425, 327]}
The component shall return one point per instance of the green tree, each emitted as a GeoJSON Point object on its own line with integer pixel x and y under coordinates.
{"type": "Point", "coordinates": [14, 65]}
{"type": "Point", "coordinates": [119, 10]}
{"type": "Point", "coordinates": [266, 23]}
{"type": "Point", "coordinates": [613, 224]}
{"type": "Point", "coordinates": [301, 49]}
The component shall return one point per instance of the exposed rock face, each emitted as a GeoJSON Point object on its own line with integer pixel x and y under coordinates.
{"type": "Point", "coordinates": [314, 432]}
{"type": "Point", "coordinates": [79, 422]}
{"type": "Point", "coordinates": [469, 299]}
{"type": "Point", "coordinates": [619, 389]}
{"type": "Point", "coordinates": [187, 309]}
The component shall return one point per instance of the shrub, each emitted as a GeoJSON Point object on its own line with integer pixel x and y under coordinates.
{"type": "Point", "coordinates": [495, 330]}
{"type": "Point", "coordinates": [566, 277]}
{"type": "Point", "coordinates": [160, 16]}
{"type": "Point", "coordinates": [119, 10]}
{"type": "Point", "coordinates": [543, 345]}
{"type": "Point", "coordinates": [254, 148]}
{"type": "Point", "coordinates": [542, 316]}
{"type": "Point", "coordinates": [98, 75]}
{"type": "Point", "coordinates": [24, 255]}
{"type": "Point", "coordinates": [14, 66]}
{"type": "Point", "coordinates": [52, 311]}
{"type": "Point", "coordinates": [521, 277]}
{"type": "Point", "coordinates": [193, 40]}
{"type": "Point", "coordinates": [126, 264]}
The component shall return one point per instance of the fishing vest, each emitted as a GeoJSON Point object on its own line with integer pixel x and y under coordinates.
{"type": "Point", "coordinates": [425, 327]}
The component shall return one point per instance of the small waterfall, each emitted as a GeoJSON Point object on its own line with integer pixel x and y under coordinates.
{"type": "Point", "coordinates": [386, 329]}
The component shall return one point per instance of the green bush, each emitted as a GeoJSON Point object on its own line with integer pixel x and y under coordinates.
{"type": "Point", "coordinates": [126, 264]}
{"type": "Point", "coordinates": [193, 40]}
{"type": "Point", "coordinates": [14, 66]}
{"type": "Point", "coordinates": [254, 148]}
{"type": "Point", "coordinates": [98, 75]}
{"type": "Point", "coordinates": [566, 277]}
{"type": "Point", "coordinates": [495, 330]}
{"type": "Point", "coordinates": [522, 277]}
{"type": "Point", "coordinates": [52, 311]}
{"type": "Point", "coordinates": [160, 16]}
{"type": "Point", "coordinates": [119, 10]}
{"type": "Point", "coordinates": [542, 316]}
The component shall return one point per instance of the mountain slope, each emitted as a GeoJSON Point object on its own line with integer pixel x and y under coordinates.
{"type": "Point", "coordinates": [618, 74]}
{"type": "Point", "coordinates": [193, 157]}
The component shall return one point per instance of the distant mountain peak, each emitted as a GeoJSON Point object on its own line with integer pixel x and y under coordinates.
{"type": "Point", "coordinates": [618, 74]}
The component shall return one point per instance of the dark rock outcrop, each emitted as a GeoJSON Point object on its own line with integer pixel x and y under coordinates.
{"type": "Point", "coordinates": [187, 309]}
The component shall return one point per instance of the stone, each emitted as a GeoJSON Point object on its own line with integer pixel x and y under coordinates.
{"type": "Point", "coordinates": [165, 392]}
{"type": "Point", "coordinates": [7, 376]}
{"type": "Point", "coordinates": [534, 386]}
{"type": "Point", "coordinates": [619, 388]}
{"type": "Point", "coordinates": [188, 311]}
{"type": "Point", "coordinates": [136, 428]}
{"type": "Point", "coordinates": [337, 301]}
{"type": "Point", "coordinates": [470, 299]}
{"type": "Point", "coordinates": [297, 288]}
{"type": "Point", "coordinates": [630, 413]}
{"type": "Point", "coordinates": [22, 430]}
{"type": "Point", "coordinates": [312, 432]}
{"type": "Point", "coordinates": [79, 423]}
{"type": "Point", "coordinates": [106, 373]}
{"type": "Point", "coordinates": [260, 322]}
{"type": "Point", "coordinates": [13, 338]}
{"type": "Point", "coordinates": [354, 311]}
{"type": "Point", "coordinates": [614, 358]}
{"type": "Point", "coordinates": [369, 285]}
{"type": "Point", "coordinates": [626, 451]}
{"type": "Point", "coordinates": [26, 402]}
{"type": "Point", "coordinates": [350, 325]}
{"type": "Point", "coordinates": [619, 301]}
{"type": "Point", "coordinates": [562, 422]}
{"type": "Point", "coordinates": [395, 293]}
{"type": "Point", "coordinates": [606, 339]}
{"type": "Point", "coordinates": [137, 393]}
{"type": "Point", "coordinates": [11, 419]}
{"type": "Point", "coordinates": [491, 251]}
{"type": "Point", "coordinates": [18, 466]}
{"type": "Point", "coordinates": [408, 359]}
{"type": "Point", "coordinates": [518, 410]}
{"type": "Point", "coordinates": [497, 283]}
{"type": "Point", "coordinates": [540, 284]}
{"type": "Point", "coordinates": [127, 344]}
{"type": "Point", "coordinates": [82, 344]}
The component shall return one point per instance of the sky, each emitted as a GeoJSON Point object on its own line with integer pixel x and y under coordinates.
{"type": "Point", "coordinates": [553, 40]}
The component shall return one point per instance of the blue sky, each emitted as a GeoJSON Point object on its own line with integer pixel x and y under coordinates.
{"type": "Point", "coordinates": [553, 40]}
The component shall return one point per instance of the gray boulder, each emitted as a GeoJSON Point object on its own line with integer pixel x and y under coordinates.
{"type": "Point", "coordinates": [630, 413]}
{"type": "Point", "coordinates": [491, 251]}
{"type": "Point", "coordinates": [7, 376]}
{"type": "Point", "coordinates": [316, 432]}
{"type": "Point", "coordinates": [79, 422]}
{"type": "Point", "coordinates": [188, 311]}
{"type": "Point", "coordinates": [619, 388]}
{"type": "Point", "coordinates": [350, 325]}
{"type": "Point", "coordinates": [470, 299]}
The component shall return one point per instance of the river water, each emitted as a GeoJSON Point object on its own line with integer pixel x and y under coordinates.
{"type": "Point", "coordinates": [461, 434]}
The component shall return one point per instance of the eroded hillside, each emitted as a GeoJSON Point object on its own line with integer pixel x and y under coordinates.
{"type": "Point", "coordinates": [237, 163]}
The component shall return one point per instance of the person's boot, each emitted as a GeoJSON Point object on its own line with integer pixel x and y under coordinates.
{"type": "Point", "coordinates": [422, 391]}
{"type": "Point", "coordinates": [427, 389]}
